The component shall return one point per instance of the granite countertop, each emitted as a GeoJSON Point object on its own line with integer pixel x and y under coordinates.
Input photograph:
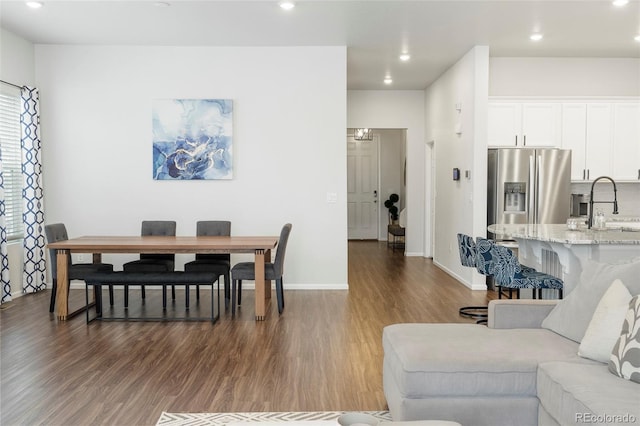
{"type": "Point", "coordinates": [618, 218]}
{"type": "Point", "coordinates": [559, 233]}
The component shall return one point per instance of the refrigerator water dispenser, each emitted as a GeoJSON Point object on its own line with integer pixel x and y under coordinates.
{"type": "Point", "coordinates": [515, 197]}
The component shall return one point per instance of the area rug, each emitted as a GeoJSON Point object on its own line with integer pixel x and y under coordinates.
{"type": "Point", "coordinates": [224, 419]}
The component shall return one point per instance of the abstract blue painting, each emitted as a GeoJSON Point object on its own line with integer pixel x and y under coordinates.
{"type": "Point", "coordinates": [192, 139]}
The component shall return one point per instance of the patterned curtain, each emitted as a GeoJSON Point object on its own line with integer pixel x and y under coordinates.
{"type": "Point", "coordinates": [33, 214]}
{"type": "Point", "coordinates": [4, 259]}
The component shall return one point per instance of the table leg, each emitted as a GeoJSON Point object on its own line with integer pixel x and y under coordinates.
{"type": "Point", "coordinates": [261, 287]}
{"type": "Point", "coordinates": [62, 295]}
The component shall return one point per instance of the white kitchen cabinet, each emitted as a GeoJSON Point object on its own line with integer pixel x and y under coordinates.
{"type": "Point", "coordinates": [598, 143]}
{"type": "Point", "coordinates": [574, 137]}
{"type": "Point", "coordinates": [626, 141]}
{"type": "Point", "coordinates": [520, 124]}
{"type": "Point", "coordinates": [604, 138]}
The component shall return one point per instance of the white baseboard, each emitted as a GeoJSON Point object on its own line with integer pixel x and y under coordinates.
{"type": "Point", "coordinates": [459, 278]}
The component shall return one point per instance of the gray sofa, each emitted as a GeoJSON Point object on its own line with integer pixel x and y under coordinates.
{"type": "Point", "coordinates": [522, 369]}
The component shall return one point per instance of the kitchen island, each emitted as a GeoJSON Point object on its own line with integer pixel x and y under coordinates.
{"type": "Point", "coordinates": [556, 250]}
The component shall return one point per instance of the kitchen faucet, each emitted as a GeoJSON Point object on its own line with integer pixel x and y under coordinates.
{"type": "Point", "coordinates": [591, 202]}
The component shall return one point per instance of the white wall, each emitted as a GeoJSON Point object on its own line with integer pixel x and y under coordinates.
{"type": "Point", "coordinates": [564, 77]}
{"type": "Point", "coordinates": [289, 145]}
{"type": "Point", "coordinates": [16, 59]}
{"type": "Point", "coordinates": [460, 206]}
{"type": "Point", "coordinates": [398, 109]}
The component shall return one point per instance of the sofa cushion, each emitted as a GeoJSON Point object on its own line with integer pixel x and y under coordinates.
{"type": "Point", "coordinates": [580, 393]}
{"type": "Point", "coordinates": [604, 328]}
{"type": "Point", "coordinates": [571, 316]}
{"type": "Point", "coordinates": [470, 360]}
{"type": "Point", "coordinates": [625, 357]}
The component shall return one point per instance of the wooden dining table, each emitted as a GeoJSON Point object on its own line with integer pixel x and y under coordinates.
{"type": "Point", "coordinates": [97, 245]}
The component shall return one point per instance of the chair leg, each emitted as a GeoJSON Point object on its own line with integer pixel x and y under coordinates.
{"type": "Point", "coordinates": [197, 291]}
{"type": "Point", "coordinates": [144, 294]}
{"type": "Point", "coordinates": [126, 296]}
{"type": "Point", "coordinates": [280, 294]}
{"type": "Point", "coordinates": [233, 297]}
{"type": "Point", "coordinates": [111, 295]}
{"type": "Point", "coordinates": [227, 290]}
{"type": "Point", "coordinates": [239, 292]}
{"type": "Point", "coordinates": [173, 292]}
{"type": "Point", "coordinates": [164, 297]}
{"type": "Point", "coordinates": [560, 293]}
{"type": "Point", "coordinates": [186, 296]}
{"type": "Point", "coordinates": [54, 289]}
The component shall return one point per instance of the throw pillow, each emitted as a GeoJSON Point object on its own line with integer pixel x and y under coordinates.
{"type": "Point", "coordinates": [604, 328]}
{"type": "Point", "coordinates": [571, 316]}
{"type": "Point", "coordinates": [625, 358]}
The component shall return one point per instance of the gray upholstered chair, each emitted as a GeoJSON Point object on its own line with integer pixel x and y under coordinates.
{"type": "Point", "coordinates": [149, 262]}
{"type": "Point", "coordinates": [273, 271]}
{"type": "Point", "coordinates": [58, 232]}
{"type": "Point", "coordinates": [218, 263]}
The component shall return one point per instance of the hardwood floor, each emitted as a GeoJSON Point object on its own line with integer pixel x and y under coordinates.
{"type": "Point", "coordinates": [323, 353]}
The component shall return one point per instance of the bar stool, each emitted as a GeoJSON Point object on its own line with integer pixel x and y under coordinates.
{"type": "Point", "coordinates": [468, 254]}
{"type": "Point", "coordinates": [509, 273]}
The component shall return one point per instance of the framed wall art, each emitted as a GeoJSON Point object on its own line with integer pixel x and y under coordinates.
{"type": "Point", "coordinates": [192, 139]}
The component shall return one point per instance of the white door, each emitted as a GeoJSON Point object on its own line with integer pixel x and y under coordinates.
{"type": "Point", "coordinates": [362, 189]}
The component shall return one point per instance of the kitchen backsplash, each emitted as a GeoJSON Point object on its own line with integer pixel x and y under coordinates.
{"type": "Point", "coordinates": [628, 196]}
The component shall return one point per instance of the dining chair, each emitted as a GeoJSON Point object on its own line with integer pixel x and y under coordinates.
{"type": "Point", "coordinates": [77, 271]}
{"type": "Point", "coordinates": [153, 262]}
{"type": "Point", "coordinates": [218, 263]}
{"type": "Point", "coordinates": [272, 271]}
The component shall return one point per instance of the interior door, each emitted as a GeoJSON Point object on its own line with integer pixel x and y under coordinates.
{"type": "Point", "coordinates": [362, 189]}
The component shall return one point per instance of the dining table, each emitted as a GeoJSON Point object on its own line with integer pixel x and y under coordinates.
{"type": "Point", "coordinates": [260, 246]}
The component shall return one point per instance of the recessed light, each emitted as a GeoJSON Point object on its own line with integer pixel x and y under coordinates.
{"type": "Point", "coordinates": [620, 3]}
{"type": "Point", "coordinates": [535, 37]}
{"type": "Point", "coordinates": [405, 57]}
{"type": "Point", "coordinates": [34, 4]}
{"type": "Point", "coordinates": [287, 4]}
{"type": "Point", "coordinates": [388, 80]}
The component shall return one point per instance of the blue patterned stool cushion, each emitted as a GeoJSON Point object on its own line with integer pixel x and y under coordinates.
{"type": "Point", "coordinates": [509, 273]}
{"type": "Point", "coordinates": [467, 248]}
{"type": "Point", "coordinates": [484, 258]}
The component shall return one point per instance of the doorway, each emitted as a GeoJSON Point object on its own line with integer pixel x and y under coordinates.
{"type": "Point", "coordinates": [390, 147]}
{"type": "Point", "coordinates": [362, 188]}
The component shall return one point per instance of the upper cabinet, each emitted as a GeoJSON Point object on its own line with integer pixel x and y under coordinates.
{"type": "Point", "coordinates": [602, 134]}
{"type": "Point", "coordinates": [520, 124]}
{"type": "Point", "coordinates": [604, 138]}
{"type": "Point", "coordinates": [626, 141]}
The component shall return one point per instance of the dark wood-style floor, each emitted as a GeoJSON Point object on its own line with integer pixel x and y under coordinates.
{"type": "Point", "coordinates": [323, 353]}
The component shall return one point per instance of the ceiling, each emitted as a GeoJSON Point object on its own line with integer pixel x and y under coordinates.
{"type": "Point", "coordinates": [435, 33]}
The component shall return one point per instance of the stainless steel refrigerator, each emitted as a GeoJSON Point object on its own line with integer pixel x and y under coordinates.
{"type": "Point", "coordinates": [528, 185]}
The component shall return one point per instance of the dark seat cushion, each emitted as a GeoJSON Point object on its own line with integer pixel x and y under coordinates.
{"type": "Point", "coordinates": [246, 271]}
{"type": "Point", "coordinates": [172, 277]}
{"type": "Point", "coordinates": [77, 271]}
{"type": "Point", "coordinates": [148, 265]}
{"type": "Point", "coordinates": [206, 266]}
